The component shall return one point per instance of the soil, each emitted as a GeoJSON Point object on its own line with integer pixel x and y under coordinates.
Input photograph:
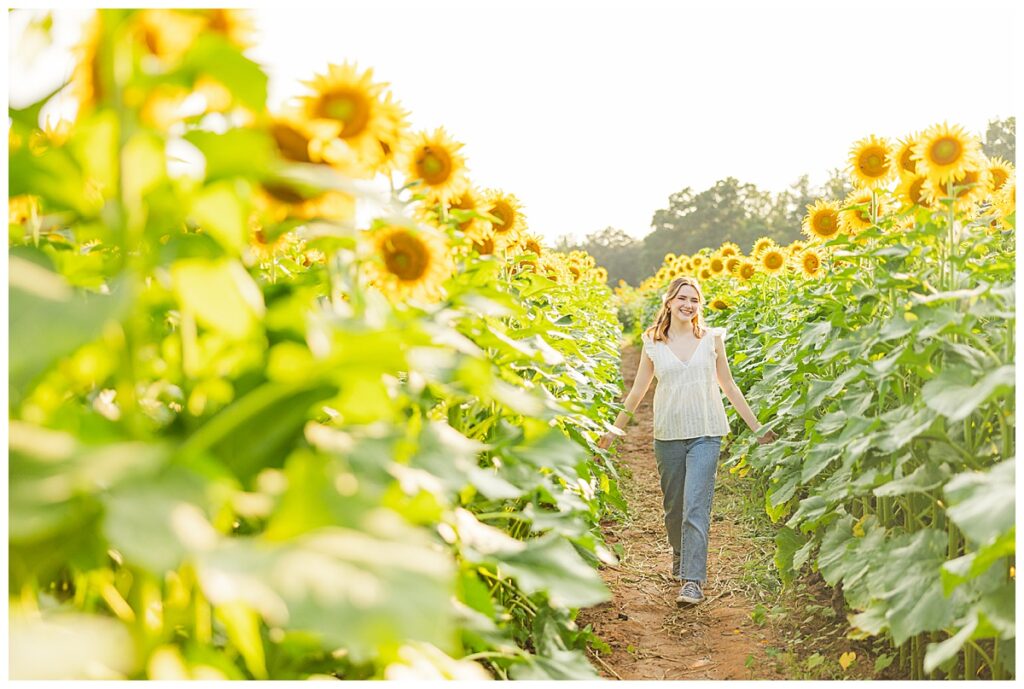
{"type": "Point", "coordinates": [649, 637]}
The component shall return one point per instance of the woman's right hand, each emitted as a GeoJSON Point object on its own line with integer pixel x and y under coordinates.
{"type": "Point", "coordinates": [606, 440]}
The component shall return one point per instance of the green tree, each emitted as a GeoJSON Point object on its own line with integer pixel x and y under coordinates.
{"type": "Point", "coordinates": [1001, 139]}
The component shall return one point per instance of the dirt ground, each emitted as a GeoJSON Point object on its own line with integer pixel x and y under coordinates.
{"type": "Point", "coordinates": [651, 638]}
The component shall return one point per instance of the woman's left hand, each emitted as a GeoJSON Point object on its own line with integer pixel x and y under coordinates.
{"type": "Point", "coordinates": [769, 437]}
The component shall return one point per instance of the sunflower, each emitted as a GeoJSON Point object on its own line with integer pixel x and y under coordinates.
{"type": "Point", "coordinates": [348, 101]}
{"type": "Point", "coordinates": [705, 274]}
{"type": "Point", "coordinates": [761, 244]}
{"type": "Point", "coordinates": [729, 249]}
{"type": "Point", "coordinates": [393, 134]}
{"type": "Point", "coordinates": [409, 263]}
{"type": "Point", "coordinates": [601, 275]}
{"type": "Point", "coordinates": [822, 220]}
{"type": "Point", "coordinates": [686, 267]}
{"type": "Point", "coordinates": [945, 152]}
{"type": "Point", "coordinates": [911, 192]}
{"type": "Point", "coordinates": [871, 162]}
{"type": "Point", "coordinates": [89, 81]}
{"type": "Point", "coordinates": [484, 245]}
{"type": "Point", "coordinates": [531, 243]}
{"type": "Point", "coordinates": [809, 263]}
{"type": "Point", "coordinates": [293, 135]}
{"type": "Point", "coordinates": [332, 205]}
{"type": "Point", "coordinates": [716, 264]}
{"type": "Point", "coordinates": [434, 160]}
{"type": "Point", "coordinates": [1005, 202]}
{"type": "Point", "coordinates": [795, 248]}
{"type": "Point", "coordinates": [467, 210]}
{"type": "Point", "coordinates": [904, 156]}
{"type": "Point", "coordinates": [746, 270]}
{"type": "Point", "coordinates": [509, 222]}
{"type": "Point", "coordinates": [966, 188]}
{"type": "Point", "coordinates": [999, 171]}
{"type": "Point", "coordinates": [855, 216]}
{"type": "Point", "coordinates": [669, 257]}
{"type": "Point", "coordinates": [732, 263]}
{"type": "Point", "coordinates": [167, 33]}
{"type": "Point", "coordinates": [697, 261]}
{"type": "Point", "coordinates": [23, 210]}
{"type": "Point", "coordinates": [235, 25]}
{"type": "Point", "coordinates": [772, 260]}
{"type": "Point", "coordinates": [719, 304]}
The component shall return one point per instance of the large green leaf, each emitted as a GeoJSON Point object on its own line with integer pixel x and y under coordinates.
{"type": "Point", "coordinates": [982, 503]}
{"type": "Point", "coordinates": [49, 319]}
{"type": "Point", "coordinates": [368, 591]}
{"type": "Point", "coordinates": [955, 393]}
{"type": "Point", "coordinates": [550, 564]}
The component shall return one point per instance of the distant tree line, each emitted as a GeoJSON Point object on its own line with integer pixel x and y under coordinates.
{"type": "Point", "coordinates": [730, 211]}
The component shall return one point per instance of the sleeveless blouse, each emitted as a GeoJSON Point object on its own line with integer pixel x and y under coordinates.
{"type": "Point", "coordinates": [687, 400]}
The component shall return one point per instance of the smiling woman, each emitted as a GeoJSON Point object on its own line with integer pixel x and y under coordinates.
{"type": "Point", "coordinates": [689, 423]}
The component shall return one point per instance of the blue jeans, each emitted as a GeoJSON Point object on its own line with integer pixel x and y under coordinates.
{"type": "Point", "coordinates": [687, 469]}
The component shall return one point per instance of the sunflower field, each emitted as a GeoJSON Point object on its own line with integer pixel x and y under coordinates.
{"type": "Point", "coordinates": [881, 350]}
{"type": "Point", "coordinates": [289, 397]}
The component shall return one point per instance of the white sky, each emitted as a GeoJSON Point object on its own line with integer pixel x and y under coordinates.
{"type": "Point", "coordinates": [593, 113]}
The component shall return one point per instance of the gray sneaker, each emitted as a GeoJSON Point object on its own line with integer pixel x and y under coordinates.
{"type": "Point", "coordinates": [690, 594]}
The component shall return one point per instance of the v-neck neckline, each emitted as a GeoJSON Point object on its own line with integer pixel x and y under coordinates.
{"type": "Point", "coordinates": [675, 356]}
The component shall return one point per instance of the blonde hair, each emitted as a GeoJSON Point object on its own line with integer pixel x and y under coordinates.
{"type": "Point", "coordinates": [663, 320]}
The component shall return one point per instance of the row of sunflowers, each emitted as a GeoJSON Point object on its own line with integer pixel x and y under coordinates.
{"type": "Point", "coordinates": [881, 350]}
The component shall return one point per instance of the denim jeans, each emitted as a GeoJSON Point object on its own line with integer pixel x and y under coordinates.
{"type": "Point", "coordinates": [687, 469]}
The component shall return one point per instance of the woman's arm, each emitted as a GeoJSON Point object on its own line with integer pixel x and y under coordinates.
{"type": "Point", "coordinates": [734, 394]}
{"type": "Point", "coordinates": [641, 383]}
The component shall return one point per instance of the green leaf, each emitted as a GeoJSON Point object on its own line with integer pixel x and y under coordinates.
{"type": "Point", "coordinates": [220, 294]}
{"type": "Point", "coordinates": [220, 211]}
{"type": "Point", "coordinates": [955, 393]}
{"type": "Point", "coordinates": [982, 503]}
{"type": "Point", "coordinates": [787, 541]}
{"type": "Point", "coordinates": [550, 564]}
{"type": "Point", "coordinates": [216, 57]}
{"type": "Point", "coordinates": [242, 626]}
{"type": "Point", "coordinates": [235, 153]}
{"type": "Point", "coordinates": [923, 479]}
{"type": "Point", "coordinates": [49, 319]}
{"type": "Point", "coordinates": [363, 590]}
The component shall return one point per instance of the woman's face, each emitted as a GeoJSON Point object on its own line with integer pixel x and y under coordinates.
{"type": "Point", "coordinates": [685, 304]}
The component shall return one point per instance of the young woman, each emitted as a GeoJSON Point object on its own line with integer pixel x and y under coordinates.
{"type": "Point", "coordinates": [689, 422]}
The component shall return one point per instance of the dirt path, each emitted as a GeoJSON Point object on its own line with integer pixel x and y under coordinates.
{"type": "Point", "coordinates": [649, 636]}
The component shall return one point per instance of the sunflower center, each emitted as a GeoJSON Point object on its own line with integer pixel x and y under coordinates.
{"type": "Point", "coordinates": [826, 223]}
{"type": "Point", "coordinates": [290, 141]}
{"type": "Point", "coordinates": [505, 215]}
{"type": "Point", "coordinates": [907, 161]}
{"type": "Point", "coordinates": [433, 165]}
{"type": "Point", "coordinates": [746, 271]}
{"type": "Point", "coordinates": [999, 178]}
{"type": "Point", "coordinates": [350, 108]}
{"type": "Point", "coordinates": [717, 265]}
{"type": "Point", "coordinates": [873, 162]}
{"type": "Point", "coordinates": [914, 192]}
{"type": "Point", "coordinates": [406, 256]}
{"type": "Point", "coordinates": [946, 151]}
{"type": "Point", "coordinates": [811, 263]}
{"type": "Point", "coordinates": [773, 261]}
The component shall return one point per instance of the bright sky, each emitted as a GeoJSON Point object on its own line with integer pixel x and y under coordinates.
{"type": "Point", "coordinates": [593, 112]}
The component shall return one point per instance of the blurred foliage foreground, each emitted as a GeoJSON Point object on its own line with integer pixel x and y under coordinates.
{"type": "Point", "coordinates": [253, 437]}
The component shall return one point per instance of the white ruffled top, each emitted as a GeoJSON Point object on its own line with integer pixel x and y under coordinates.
{"type": "Point", "coordinates": [687, 400]}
